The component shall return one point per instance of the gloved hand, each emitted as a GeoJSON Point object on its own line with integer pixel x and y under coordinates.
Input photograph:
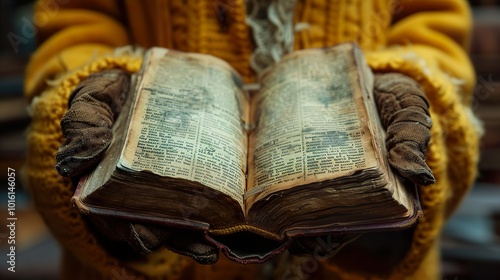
{"type": "Point", "coordinates": [404, 112]}
{"type": "Point", "coordinates": [143, 239]}
{"type": "Point", "coordinates": [92, 109]}
{"type": "Point", "coordinates": [87, 127]}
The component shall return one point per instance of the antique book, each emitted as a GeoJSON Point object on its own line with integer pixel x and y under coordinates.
{"type": "Point", "coordinates": [300, 153]}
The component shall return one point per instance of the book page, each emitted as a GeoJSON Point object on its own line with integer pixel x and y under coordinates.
{"type": "Point", "coordinates": [188, 123]}
{"type": "Point", "coordinates": [310, 126]}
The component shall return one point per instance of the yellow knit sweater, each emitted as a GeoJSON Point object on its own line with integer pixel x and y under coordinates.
{"type": "Point", "coordinates": [426, 40]}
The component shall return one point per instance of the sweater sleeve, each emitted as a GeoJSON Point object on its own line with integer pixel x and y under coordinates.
{"type": "Point", "coordinates": [428, 41]}
{"type": "Point", "coordinates": [77, 39]}
{"type": "Point", "coordinates": [70, 35]}
{"type": "Point", "coordinates": [439, 31]}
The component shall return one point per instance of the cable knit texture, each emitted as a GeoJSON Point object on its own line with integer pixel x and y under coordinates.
{"type": "Point", "coordinates": [425, 40]}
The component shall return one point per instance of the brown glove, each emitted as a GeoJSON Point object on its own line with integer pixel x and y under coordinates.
{"type": "Point", "coordinates": [87, 127]}
{"type": "Point", "coordinates": [144, 239]}
{"type": "Point", "coordinates": [404, 111]}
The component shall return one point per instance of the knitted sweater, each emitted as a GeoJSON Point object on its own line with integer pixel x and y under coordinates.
{"type": "Point", "coordinates": [426, 40]}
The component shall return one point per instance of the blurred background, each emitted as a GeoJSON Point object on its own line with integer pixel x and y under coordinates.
{"type": "Point", "coordinates": [470, 241]}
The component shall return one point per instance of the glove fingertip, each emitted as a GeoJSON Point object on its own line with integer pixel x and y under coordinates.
{"type": "Point", "coordinates": [427, 179]}
{"type": "Point", "coordinates": [201, 253]}
{"type": "Point", "coordinates": [420, 176]}
{"type": "Point", "coordinates": [424, 178]}
{"type": "Point", "coordinates": [207, 259]}
{"type": "Point", "coordinates": [63, 171]}
{"type": "Point", "coordinates": [74, 166]}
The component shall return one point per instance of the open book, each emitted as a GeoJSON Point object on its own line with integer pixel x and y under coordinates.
{"type": "Point", "coordinates": [301, 153]}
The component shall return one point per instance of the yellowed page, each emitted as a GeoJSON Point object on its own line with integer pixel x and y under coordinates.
{"type": "Point", "coordinates": [311, 123]}
{"type": "Point", "coordinates": [187, 122]}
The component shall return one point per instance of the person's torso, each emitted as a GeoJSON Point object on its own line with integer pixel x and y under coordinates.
{"type": "Point", "coordinates": [220, 27]}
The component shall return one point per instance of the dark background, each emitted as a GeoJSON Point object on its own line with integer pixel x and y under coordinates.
{"type": "Point", "coordinates": [470, 242]}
